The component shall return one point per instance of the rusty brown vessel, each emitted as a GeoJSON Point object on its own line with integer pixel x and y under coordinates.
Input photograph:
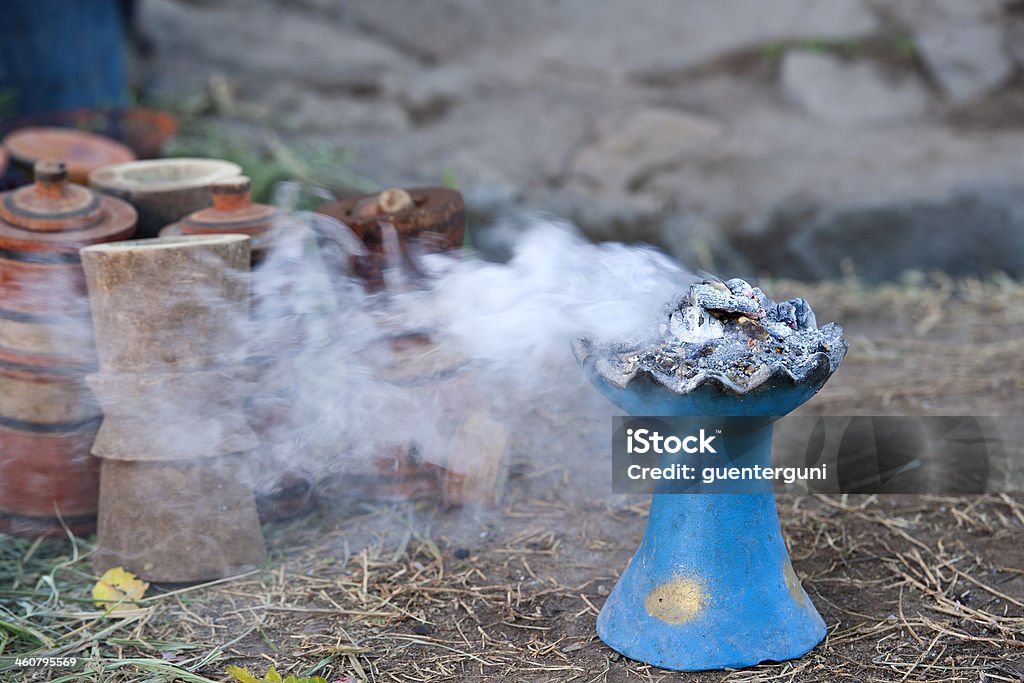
{"type": "Point", "coordinates": [81, 151]}
{"type": "Point", "coordinates": [432, 221]}
{"type": "Point", "coordinates": [48, 416]}
{"type": "Point", "coordinates": [233, 212]}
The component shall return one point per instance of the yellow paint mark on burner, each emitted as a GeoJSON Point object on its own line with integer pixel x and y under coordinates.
{"type": "Point", "coordinates": [793, 584]}
{"type": "Point", "coordinates": [677, 601]}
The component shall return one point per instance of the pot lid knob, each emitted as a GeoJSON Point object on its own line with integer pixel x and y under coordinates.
{"type": "Point", "coordinates": [48, 172]}
{"type": "Point", "coordinates": [233, 211]}
{"type": "Point", "coordinates": [51, 203]}
{"type": "Point", "coordinates": [229, 194]}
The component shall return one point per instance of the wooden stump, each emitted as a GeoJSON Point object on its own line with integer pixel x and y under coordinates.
{"type": "Point", "coordinates": [171, 318]}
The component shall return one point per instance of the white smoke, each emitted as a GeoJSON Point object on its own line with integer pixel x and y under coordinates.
{"type": "Point", "coordinates": [334, 382]}
{"type": "Point", "coordinates": [556, 286]}
{"type": "Point", "coordinates": [509, 325]}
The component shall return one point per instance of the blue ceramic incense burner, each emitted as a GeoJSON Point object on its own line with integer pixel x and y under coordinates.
{"type": "Point", "coordinates": [711, 585]}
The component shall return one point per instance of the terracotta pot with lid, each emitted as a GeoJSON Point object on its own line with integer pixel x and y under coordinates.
{"type": "Point", "coordinates": [48, 416]}
{"type": "Point", "coordinates": [233, 212]}
{"type": "Point", "coordinates": [142, 129]}
{"type": "Point", "coordinates": [42, 227]}
{"type": "Point", "coordinates": [431, 219]}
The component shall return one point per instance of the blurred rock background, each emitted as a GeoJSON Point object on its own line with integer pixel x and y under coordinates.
{"type": "Point", "coordinates": [803, 138]}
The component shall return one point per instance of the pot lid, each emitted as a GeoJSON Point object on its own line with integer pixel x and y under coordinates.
{"type": "Point", "coordinates": [53, 214]}
{"type": "Point", "coordinates": [51, 203]}
{"type": "Point", "coordinates": [82, 151]}
{"type": "Point", "coordinates": [233, 211]}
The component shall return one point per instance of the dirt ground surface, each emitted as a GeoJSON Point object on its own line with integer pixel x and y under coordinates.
{"type": "Point", "coordinates": [912, 588]}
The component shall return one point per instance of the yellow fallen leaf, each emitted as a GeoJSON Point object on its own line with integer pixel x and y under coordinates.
{"type": "Point", "coordinates": [242, 675]}
{"type": "Point", "coordinates": [118, 586]}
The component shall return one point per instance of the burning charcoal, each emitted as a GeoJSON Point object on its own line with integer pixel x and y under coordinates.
{"type": "Point", "coordinates": [743, 289]}
{"type": "Point", "coordinates": [762, 299]}
{"type": "Point", "coordinates": [711, 298]}
{"type": "Point", "coordinates": [667, 363]}
{"type": "Point", "coordinates": [629, 362]}
{"type": "Point", "coordinates": [780, 320]}
{"type": "Point", "coordinates": [805, 319]}
{"type": "Point", "coordinates": [740, 287]}
{"type": "Point", "coordinates": [784, 313]}
{"type": "Point", "coordinates": [694, 325]}
{"type": "Point", "coordinates": [730, 333]}
{"type": "Point", "coordinates": [754, 329]}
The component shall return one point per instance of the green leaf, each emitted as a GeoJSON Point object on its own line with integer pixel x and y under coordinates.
{"type": "Point", "coordinates": [449, 178]}
{"type": "Point", "coordinates": [272, 676]}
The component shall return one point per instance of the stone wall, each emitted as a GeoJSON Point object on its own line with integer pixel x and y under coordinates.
{"type": "Point", "coordinates": [801, 137]}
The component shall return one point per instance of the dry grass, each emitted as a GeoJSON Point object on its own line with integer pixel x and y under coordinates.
{"type": "Point", "coordinates": [913, 588]}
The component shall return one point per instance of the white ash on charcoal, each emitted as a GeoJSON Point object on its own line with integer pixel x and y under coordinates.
{"type": "Point", "coordinates": [732, 334]}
